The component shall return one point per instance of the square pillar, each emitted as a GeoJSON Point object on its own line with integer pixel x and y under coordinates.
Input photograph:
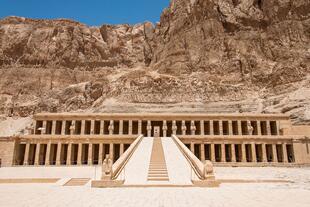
{"type": "Point", "coordinates": [164, 128]}
{"type": "Point", "coordinates": [79, 157]}
{"type": "Point", "coordinates": [253, 152]}
{"type": "Point", "coordinates": [202, 127]}
{"type": "Point", "coordinates": [221, 127]}
{"type": "Point", "coordinates": [285, 158]}
{"type": "Point", "coordinates": [44, 127]}
{"type": "Point", "coordinates": [37, 156]}
{"type": "Point", "coordinates": [212, 152]}
{"type": "Point", "coordinates": [63, 127]}
{"type": "Point", "coordinates": [101, 127]}
{"type": "Point", "coordinates": [211, 128]}
{"type": "Point", "coordinates": [83, 127]}
{"type": "Point", "coordinates": [192, 148]}
{"type": "Point", "coordinates": [48, 154]}
{"type": "Point", "coordinates": [259, 130]}
{"type": "Point", "coordinates": [223, 157]}
{"type": "Point", "coordinates": [121, 126]}
{"type": "Point", "coordinates": [90, 154]}
{"type": "Point", "coordinates": [100, 153]}
{"type": "Point", "coordinates": [92, 127]}
{"type": "Point", "coordinates": [121, 149]}
{"type": "Point", "coordinates": [149, 128]}
{"type": "Point", "coordinates": [233, 153]}
{"type": "Point", "coordinates": [111, 153]}
{"type": "Point", "coordinates": [268, 128]}
{"type": "Point", "coordinates": [183, 127]}
{"type": "Point", "coordinates": [58, 153]}
{"type": "Point", "coordinates": [230, 128]}
{"type": "Point", "coordinates": [139, 127]}
{"type": "Point", "coordinates": [69, 154]}
{"type": "Point", "coordinates": [239, 127]}
{"type": "Point", "coordinates": [26, 156]}
{"type": "Point", "coordinates": [202, 152]}
{"type": "Point", "coordinates": [264, 152]}
{"type": "Point", "coordinates": [243, 151]}
{"type": "Point", "coordinates": [54, 127]}
{"type": "Point", "coordinates": [130, 127]}
{"type": "Point", "coordinates": [274, 153]}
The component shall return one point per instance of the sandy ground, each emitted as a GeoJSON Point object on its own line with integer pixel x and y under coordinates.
{"type": "Point", "coordinates": [295, 194]}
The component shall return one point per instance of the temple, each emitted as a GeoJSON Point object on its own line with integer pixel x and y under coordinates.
{"type": "Point", "coordinates": [225, 139]}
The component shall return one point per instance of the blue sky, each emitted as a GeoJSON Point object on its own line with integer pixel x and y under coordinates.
{"type": "Point", "coordinates": [91, 12]}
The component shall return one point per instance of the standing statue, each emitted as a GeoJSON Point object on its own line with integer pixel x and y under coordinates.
{"type": "Point", "coordinates": [72, 128]}
{"type": "Point", "coordinates": [111, 128]}
{"type": "Point", "coordinates": [193, 128]}
{"type": "Point", "coordinates": [250, 128]}
{"type": "Point", "coordinates": [174, 127]}
{"type": "Point", "coordinates": [107, 168]}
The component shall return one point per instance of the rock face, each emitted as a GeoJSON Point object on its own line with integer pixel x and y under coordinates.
{"type": "Point", "coordinates": [203, 56]}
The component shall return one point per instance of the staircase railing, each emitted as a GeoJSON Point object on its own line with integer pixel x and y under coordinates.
{"type": "Point", "coordinates": [195, 163]}
{"type": "Point", "coordinates": [119, 165]}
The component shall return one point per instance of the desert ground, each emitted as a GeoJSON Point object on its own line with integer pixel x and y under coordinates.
{"type": "Point", "coordinates": [295, 193]}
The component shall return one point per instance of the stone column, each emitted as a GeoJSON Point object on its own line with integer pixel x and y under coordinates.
{"type": "Point", "coordinates": [111, 151]}
{"type": "Point", "coordinates": [243, 151]}
{"type": "Point", "coordinates": [37, 156]}
{"type": "Point", "coordinates": [233, 153]}
{"type": "Point", "coordinates": [264, 153]}
{"type": "Point", "coordinates": [223, 155]}
{"type": "Point", "coordinates": [202, 152]}
{"type": "Point", "coordinates": [285, 158]}
{"type": "Point", "coordinates": [149, 128]}
{"type": "Point", "coordinates": [48, 152]}
{"type": "Point", "coordinates": [100, 154]}
{"type": "Point", "coordinates": [130, 127]}
{"type": "Point", "coordinates": [230, 128]}
{"type": "Point", "coordinates": [54, 127]}
{"type": "Point", "coordinates": [239, 127]}
{"type": "Point", "coordinates": [278, 127]}
{"type": "Point", "coordinates": [26, 156]}
{"type": "Point", "coordinates": [221, 127]}
{"type": "Point", "coordinates": [101, 127]}
{"type": "Point", "coordinates": [121, 149]}
{"type": "Point", "coordinates": [192, 148]}
{"type": "Point", "coordinates": [83, 127]}
{"type": "Point", "coordinates": [121, 126]}
{"type": "Point", "coordinates": [79, 157]}
{"type": "Point", "coordinates": [63, 127]}
{"type": "Point", "coordinates": [212, 152]}
{"type": "Point", "coordinates": [268, 128]}
{"type": "Point", "coordinates": [90, 154]}
{"type": "Point", "coordinates": [253, 152]}
{"type": "Point", "coordinates": [259, 130]}
{"type": "Point", "coordinates": [202, 127]}
{"type": "Point", "coordinates": [165, 128]}
{"type": "Point", "coordinates": [183, 128]}
{"type": "Point", "coordinates": [174, 127]}
{"type": "Point", "coordinates": [92, 127]}
{"type": "Point", "coordinates": [211, 128]}
{"type": "Point", "coordinates": [44, 127]}
{"type": "Point", "coordinates": [139, 127]}
{"type": "Point", "coordinates": [274, 153]}
{"type": "Point", "coordinates": [69, 154]}
{"type": "Point", "coordinates": [58, 153]}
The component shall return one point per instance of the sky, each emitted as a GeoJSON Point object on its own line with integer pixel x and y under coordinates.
{"type": "Point", "coordinates": [90, 12]}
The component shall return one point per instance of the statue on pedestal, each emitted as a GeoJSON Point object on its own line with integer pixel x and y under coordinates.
{"type": "Point", "coordinates": [107, 168]}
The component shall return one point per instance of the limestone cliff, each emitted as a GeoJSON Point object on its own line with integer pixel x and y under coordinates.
{"type": "Point", "coordinates": [203, 56]}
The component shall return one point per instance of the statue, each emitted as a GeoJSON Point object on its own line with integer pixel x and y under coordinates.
{"type": "Point", "coordinates": [72, 128]}
{"type": "Point", "coordinates": [250, 128]}
{"type": "Point", "coordinates": [193, 128]}
{"type": "Point", "coordinates": [174, 127]}
{"type": "Point", "coordinates": [111, 128]}
{"type": "Point", "coordinates": [208, 169]}
{"type": "Point", "coordinates": [107, 168]}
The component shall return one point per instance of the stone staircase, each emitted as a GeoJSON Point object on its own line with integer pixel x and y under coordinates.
{"type": "Point", "coordinates": [77, 182]}
{"type": "Point", "coordinates": [157, 168]}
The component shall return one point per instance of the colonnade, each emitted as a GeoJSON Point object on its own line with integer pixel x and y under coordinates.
{"type": "Point", "coordinates": [67, 153]}
{"type": "Point", "coordinates": [168, 127]}
{"type": "Point", "coordinates": [243, 152]}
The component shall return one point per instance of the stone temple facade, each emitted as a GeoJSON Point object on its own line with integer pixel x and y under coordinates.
{"type": "Point", "coordinates": [225, 139]}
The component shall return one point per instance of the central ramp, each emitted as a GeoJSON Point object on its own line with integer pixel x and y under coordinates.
{"type": "Point", "coordinates": [158, 169]}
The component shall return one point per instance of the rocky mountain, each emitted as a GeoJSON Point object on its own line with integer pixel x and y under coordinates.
{"type": "Point", "coordinates": [203, 56]}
